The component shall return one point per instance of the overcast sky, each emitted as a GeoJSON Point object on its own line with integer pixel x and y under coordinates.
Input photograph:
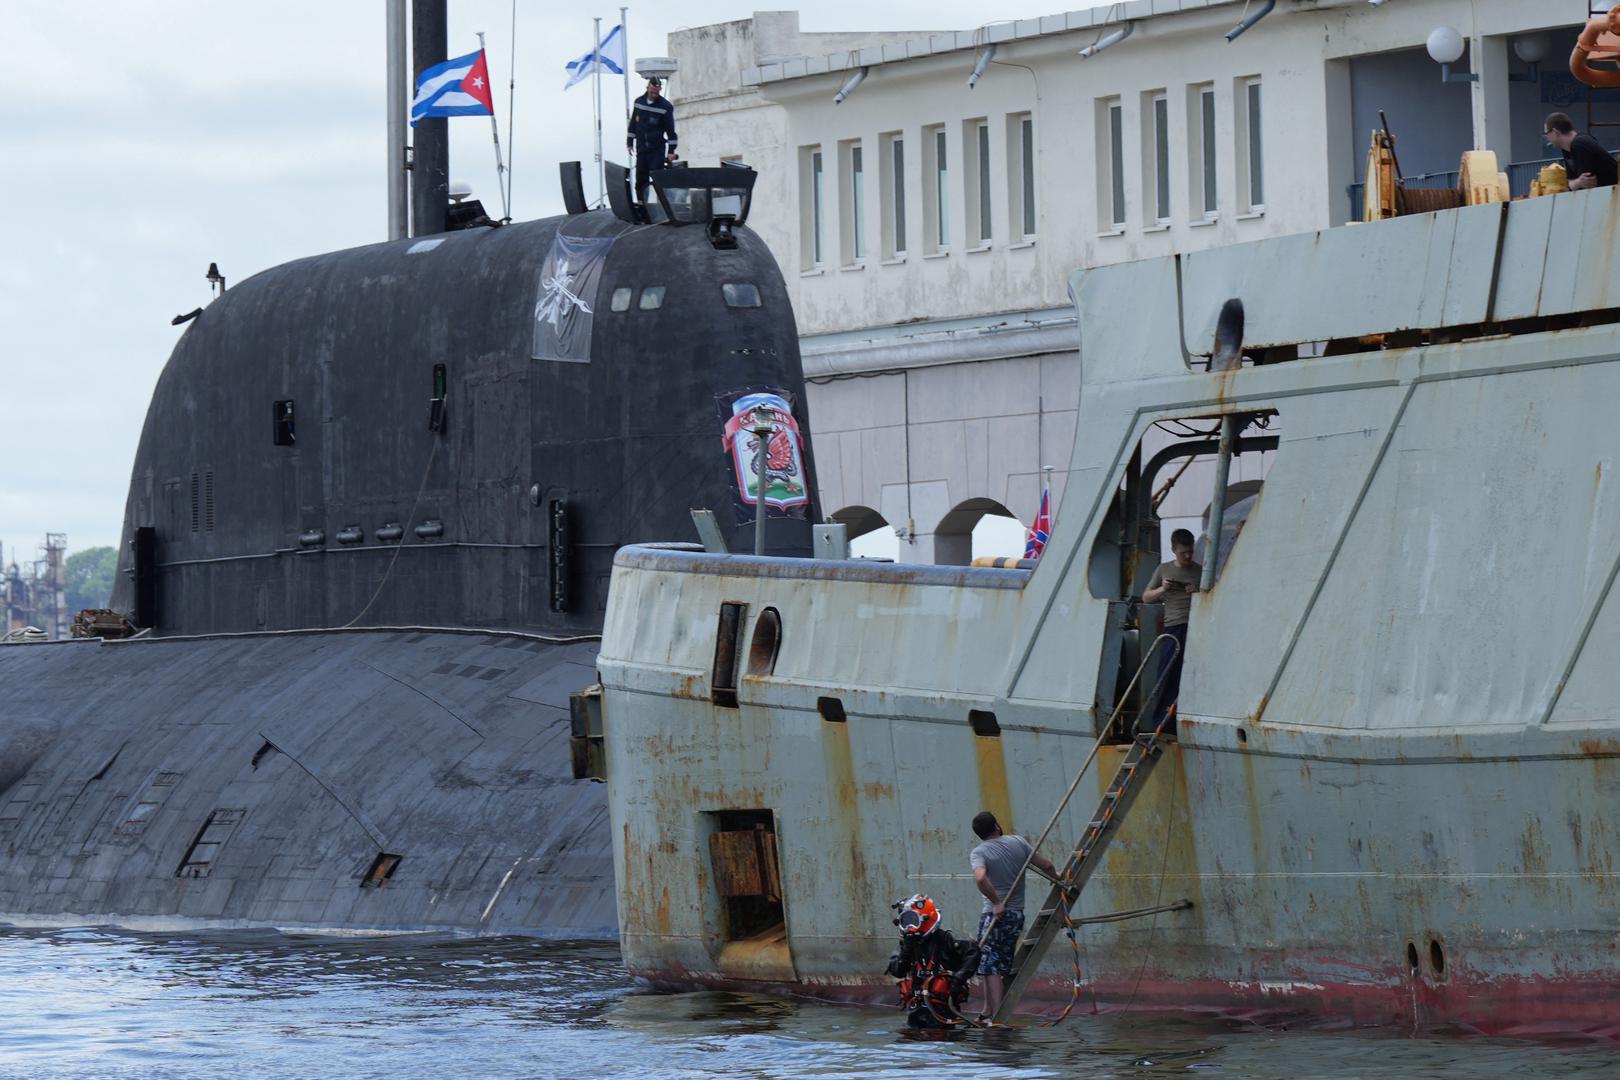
{"type": "Point", "coordinates": [145, 140]}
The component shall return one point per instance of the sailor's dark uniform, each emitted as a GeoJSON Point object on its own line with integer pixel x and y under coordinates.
{"type": "Point", "coordinates": [652, 133]}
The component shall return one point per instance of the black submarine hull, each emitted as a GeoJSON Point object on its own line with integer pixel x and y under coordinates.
{"type": "Point", "coordinates": [264, 780]}
{"type": "Point", "coordinates": [369, 533]}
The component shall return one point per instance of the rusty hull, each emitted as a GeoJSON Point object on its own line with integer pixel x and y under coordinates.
{"type": "Point", "coordinates": [1394, 796]}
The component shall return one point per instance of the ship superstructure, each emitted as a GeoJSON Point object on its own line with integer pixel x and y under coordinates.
{"type": "Point", "coordinates": [1390, 793]}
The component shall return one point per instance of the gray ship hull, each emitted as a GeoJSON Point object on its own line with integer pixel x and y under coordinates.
{"type": "Point", "coordinates": [1393, 795]}
{"type": "Point", "coordinates": [256, 780]}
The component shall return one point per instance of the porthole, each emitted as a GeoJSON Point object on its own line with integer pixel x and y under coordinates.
{"type": "Point", "coordinates": [1412, 957]}
{"type": "Point", "coordinates": [621, 299]}
{"type": "Point", "coordinates": [740, 294]}
{"type": "Point", "coordinates": [763, 646]}
{"type": "Point", "coordinates": [652, 298]}
{"type": "Point", "coordinates": [1437, 957]}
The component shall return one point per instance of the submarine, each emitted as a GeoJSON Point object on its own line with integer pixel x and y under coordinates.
{"type": "Point", "coordinates": [367, 541]}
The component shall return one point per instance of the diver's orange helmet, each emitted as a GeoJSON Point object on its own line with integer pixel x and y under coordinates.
{"type": "Point", "coordinates": [918, 916]}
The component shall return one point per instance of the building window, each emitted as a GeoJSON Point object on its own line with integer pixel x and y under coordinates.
{"type": "Point", "coordinates": [1110, 165]}
{"type": "Point", "coordinates": [818, 210]}
{"type": "Point", "coordinates": [852, 204]}
{"type": "Point", "coordinates": [1201, 152]}
{"type": "Point", "coordinates": [810, 207]}
{"type": "Point", "coordinates": [1250, 159]}
{"type": "Point", "coordinates": [858, 197]}
{"type": "Point", "coordinates": [1156, 156]}
{"type": "Point", "coordinates": [937, 189]}
{"type": "Point", "coordinates": [892, 177]}
{"type": "Point", "coordinates": [976, 137]}
{"type": "Point", "coordinates": [1021, 173]}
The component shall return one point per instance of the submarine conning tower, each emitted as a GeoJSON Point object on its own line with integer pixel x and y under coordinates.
{"type": "Point", "coordinates": [460, 430]}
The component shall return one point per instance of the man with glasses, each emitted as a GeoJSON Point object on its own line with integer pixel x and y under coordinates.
{"type": "Point", "coordinates": [1587, 164]}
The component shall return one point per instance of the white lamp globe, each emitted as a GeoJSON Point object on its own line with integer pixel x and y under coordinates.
{"type": "Point", "coordinates": [458, 190]}
{"type": "Point", "coordinates": [1532, 48]}
{"type": "Point", "coordinates": [1445, 45]}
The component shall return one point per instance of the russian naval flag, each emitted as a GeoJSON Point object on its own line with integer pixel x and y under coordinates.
{"type": "Point", "coordinates": [458, 87]}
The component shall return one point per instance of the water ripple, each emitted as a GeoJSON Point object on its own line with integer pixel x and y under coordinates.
{"type": "Point", "coordinates": [92, 1002]}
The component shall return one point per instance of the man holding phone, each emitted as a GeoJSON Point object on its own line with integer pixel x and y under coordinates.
{"type": "Point", "coordinates": [1173, 584]}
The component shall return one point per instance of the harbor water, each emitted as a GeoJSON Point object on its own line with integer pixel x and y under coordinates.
{"type": "Point", "coordinates": [98, 1002]}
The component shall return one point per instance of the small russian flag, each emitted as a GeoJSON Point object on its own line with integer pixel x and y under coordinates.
{"type": "Point", "coordinates": [1039, 532]}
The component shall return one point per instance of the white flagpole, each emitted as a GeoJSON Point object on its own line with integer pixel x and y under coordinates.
{"type": "Point", "coordinates": [601, 174]}
{"type": "Point", "coordinates": [624, 39]}
{"type": "Point", "coordinates": [495, 133]}
{"type": "Point", "coordinates": [511, 106]}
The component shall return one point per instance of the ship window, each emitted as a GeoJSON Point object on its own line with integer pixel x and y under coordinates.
{"type": "Point", "coordinates": [284, 433]}
{"type": "Point", "coordinates": [740, 294]}
{"type": "Point", "coordinates": [652, 298]}
{"type": "Point", "coordinates": [621, 299]}
{"type": "Point", "coordinates": [381, 869]}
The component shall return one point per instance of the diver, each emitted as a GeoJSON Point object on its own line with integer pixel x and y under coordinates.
{"type": "Point", "coordinates": [932, 964]}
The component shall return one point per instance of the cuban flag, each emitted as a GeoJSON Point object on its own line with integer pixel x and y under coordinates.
{"type": "Point", "coordinates": [458, 87]}
{"type": "Point", "coordinates": [608, 58]}
{"type": "Point", "coordinates": [1035, 543]}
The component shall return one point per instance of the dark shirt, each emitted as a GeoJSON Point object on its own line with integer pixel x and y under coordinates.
{"type": "Point", "coordinates": [1586, 155]}
{"type": "Point", "coordinates": [652, 125]}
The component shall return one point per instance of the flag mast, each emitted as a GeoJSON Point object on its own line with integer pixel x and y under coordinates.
{"type": "Point", "coordinates": [399, 212]}
{"type": "Point", "coordinates": [624, 40]}
{"type": "Point", "coordinates": [495, 133]}
{"type": "Point", "coordinates": [511, 105]}
{"type": "Point", "coordinates": [596, 55]}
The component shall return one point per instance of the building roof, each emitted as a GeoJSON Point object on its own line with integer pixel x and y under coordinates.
{"type": "Point", "coordinates": [955, 41]}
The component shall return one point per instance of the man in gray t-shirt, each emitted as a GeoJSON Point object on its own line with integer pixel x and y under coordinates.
{"type": "Point", "coordinates": [998, 864]}
{"type": "Point", "coordinates": [1173, 585]}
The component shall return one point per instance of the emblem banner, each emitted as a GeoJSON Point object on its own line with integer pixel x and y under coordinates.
{"type": "Point", "coordinates": [787, 483]}
{"type": "Point", "coordinates": [566, 297]}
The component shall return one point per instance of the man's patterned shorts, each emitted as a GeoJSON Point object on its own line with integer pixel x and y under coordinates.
{"type": "Point", "coordinates": [997, 955]}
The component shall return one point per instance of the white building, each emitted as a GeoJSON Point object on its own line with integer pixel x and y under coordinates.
{"type": "Point", "coordinates": [928, 227]}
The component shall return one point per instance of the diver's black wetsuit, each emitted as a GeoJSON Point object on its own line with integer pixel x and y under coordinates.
{"type": "Point", "coordinates": [921, 959]}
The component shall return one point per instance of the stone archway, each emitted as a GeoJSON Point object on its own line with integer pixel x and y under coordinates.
{"type": "Point", "coordinates": [953, 536]}
{"type": "Point", "coordinates": [870, 534]}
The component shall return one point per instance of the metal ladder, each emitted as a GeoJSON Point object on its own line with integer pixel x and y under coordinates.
{"type": "Point", "coordinates": [1043, 930]}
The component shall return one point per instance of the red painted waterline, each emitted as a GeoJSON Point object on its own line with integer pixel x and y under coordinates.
{"type": "Point", "coordinates": [1518, 1007]}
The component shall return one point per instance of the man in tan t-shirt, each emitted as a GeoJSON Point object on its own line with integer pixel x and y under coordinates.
{"type": "Point", "coordinates": [1174, 583]}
